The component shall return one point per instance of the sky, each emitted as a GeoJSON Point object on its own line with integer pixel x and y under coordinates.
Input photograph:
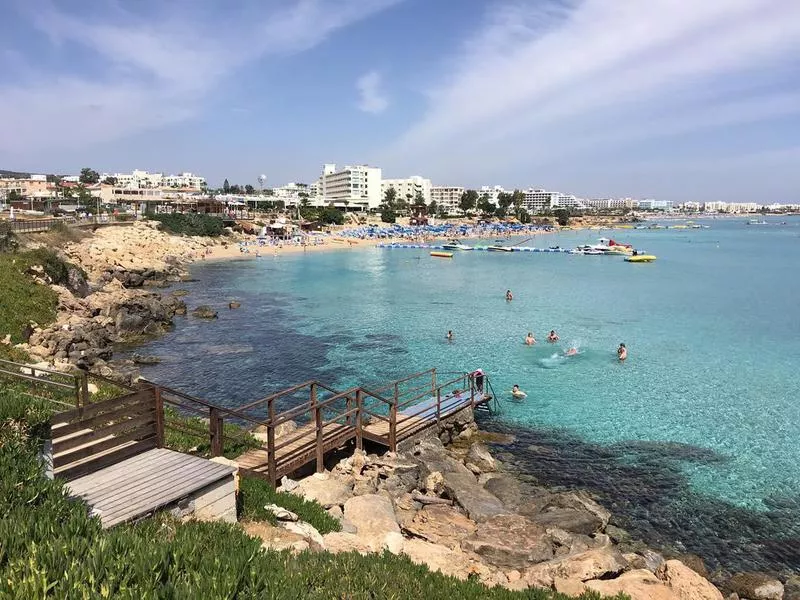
{"type": "Point", "coordinates": [672, 99]}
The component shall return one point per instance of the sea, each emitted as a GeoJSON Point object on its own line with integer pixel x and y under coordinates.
{"type": "Point", "coordinates": [693, 442]}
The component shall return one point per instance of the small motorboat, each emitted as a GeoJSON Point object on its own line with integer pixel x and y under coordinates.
{"type": "Point", "coordinates": [640, 258]}
{"type": "Point", "coordinates": [587, 250]}
{"type": "Point", "coordinates": [453, 245]}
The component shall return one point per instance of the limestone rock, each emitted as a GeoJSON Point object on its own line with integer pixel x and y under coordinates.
{"type": "Point", "coordinates": [639, 585]}
{"type": "Point", "coordinates": [756, 586]}
{"type": "Point", "coordinates": [434, 483]}
{"type": "Point", "coordinates": [507, 489]}
{"type": "Point", "coordinates": [324, 489]}
{"type": "Point", "coordinates": [372, 515]}
{"type": "Point", "coordinates": [281, 513]}
{"type": "Point", "coordinates": [306, 531]}
{"type": "Point", "coordinates": [791, 589]}
{"type": "Point", "coordinates": [479, 456]}
{"type": "Point", "coordinates": [479, 503]}
{"type": "Point", "coordinates": [340, 541]}
{"type": "Point", "coordinates": [276, 538]}
{"type": "Point", "coordinates": [393, 542]}
{"type": "Point", "coordinates": [686, 583]}
{"type": "Point", "coordinates": [570, 511]}
{"type": "Point", "coordinates": [441, 525]}
{"type": "Point", "coordinates": [510, 541]}
{"type": "Point", "coordinates": [455, 563]}
{"type": "Point", "coordinates": [592, 564]}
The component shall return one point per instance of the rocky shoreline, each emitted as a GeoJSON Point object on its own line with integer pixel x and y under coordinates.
{"type": "Point", "coordinates": [111, 298]}
{"type": "Point", "coordinates": [456, 509]}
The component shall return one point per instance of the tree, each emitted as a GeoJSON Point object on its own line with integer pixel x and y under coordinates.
{"type": "Point", "coordinates": [390, 196]}
{"type": "Point", "coordinates": [432, 208]}
{"type": "Point", "coordinates": [226, 187]}
{"type": "Point", "coordinates": [517, 198]}
{"type": "Point", "coordinates": [304, 201]}
{"type": "Point", "coordinates": [388, 215]}
{"type": "Point", "coordinates": [13, 196]}
{"type": "Point", "coordinates": [485, 205]}
{"type": "Point", "coordinates": [249, 190]}
{"type": "Point", "coordinates": [110, 180]}
{"type": "Point", "coordinates": [468, 201]}
{"type": "Point", "coordinates": [84, 196]}
{"type": "Point", "coordinates": [562, 214]}
{"type": "Point", "coordinates": [419, 199]}
{"type": "Point", "coordinates": [523, 216]}
{"type": "Point", "coordinates": [331, 215]}
{"type": "Point", "coordinates": [236, 189]}
{"type": "Point", "coordinates": [89, 176]}
{"type": "Point", "coordinates": [504, 200]}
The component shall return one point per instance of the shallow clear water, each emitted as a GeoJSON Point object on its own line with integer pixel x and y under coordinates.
{"type": "Point", "coordinates": [712, 328]}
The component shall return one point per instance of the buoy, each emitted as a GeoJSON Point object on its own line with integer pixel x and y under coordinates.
{"type": "Point", "coordinates": [442, 254]}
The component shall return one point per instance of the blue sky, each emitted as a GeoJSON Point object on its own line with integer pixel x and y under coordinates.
{"type": "Point", "coordinates": [666, 98]}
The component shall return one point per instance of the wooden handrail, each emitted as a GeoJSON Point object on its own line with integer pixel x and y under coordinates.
{"type": "Point", "coordinates": [398, 381]}
{"type": "Point", "coordinates": [277, 395]}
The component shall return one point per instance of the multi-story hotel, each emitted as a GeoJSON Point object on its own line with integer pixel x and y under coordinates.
{"type": "Point", "coordinates": [353, 187]}
{"type": "Point", "coordinates": [407, 189]}
{"type": "Point", "coordinates": [447, 197]}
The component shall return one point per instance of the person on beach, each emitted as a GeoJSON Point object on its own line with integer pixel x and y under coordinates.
{"type": "Point", "coordinates": [509, 296]}
{"type": "Point", "coordinates": [529, 339]}
{"type": "Point", "coordinates": [449, 336]}
{"type": "Point", "coordinates": [622, 353]}
{"type": "Point", "coordinates": [553, 337]}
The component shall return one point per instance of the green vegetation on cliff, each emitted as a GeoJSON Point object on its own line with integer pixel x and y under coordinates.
{"type": "Point", "coordinates": [189, 224]}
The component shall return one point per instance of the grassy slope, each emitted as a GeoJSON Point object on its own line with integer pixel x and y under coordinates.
{"type": "Point", "coordinates": [21, 299]}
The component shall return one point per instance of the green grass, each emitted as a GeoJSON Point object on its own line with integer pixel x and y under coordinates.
{"type": "Point", "coordinates": [235, 440]}
{"type": "Point", "coordinates": [21, 299]}
{"type": "Point", "coordinates": [256, 493]}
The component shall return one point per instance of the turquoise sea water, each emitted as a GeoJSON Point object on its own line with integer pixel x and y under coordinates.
{"type": "Point", "coordinates": [711, 383]}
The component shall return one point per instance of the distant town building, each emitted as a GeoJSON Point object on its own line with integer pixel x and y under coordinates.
{"type": "Point", "coordinates": [137, 179]}
{"type": "Point", "coordinates": [408, 188]}
{"type": "Point", "coordinates": [34, 187]}
{"type": "Point", "coordinates": [447, 197]}
{"type": "Point", "coordinates": [665, 205]}
{"type": "Point", "coordinates": [293, 193]}
{"type": "Point", "coordinates": [492, 192]}
{"type": "Point", "coordinates": [355, 187]}
{"type": "Point", "coordinates": [184, 181]}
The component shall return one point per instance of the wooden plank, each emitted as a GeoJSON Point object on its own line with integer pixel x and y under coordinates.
{"type": "Point", "coordinates": [65, 431]}
{"type": "Point", "coordinates": [139, 433]}
{"type": "Point", "coordinates": [62, 445]}
{"type": "Point", "coordinates": [132, 469]}
{"type": "Point", "coordinates": [104, 460]}
{"type": "Point", "coordinates": [97, 408]}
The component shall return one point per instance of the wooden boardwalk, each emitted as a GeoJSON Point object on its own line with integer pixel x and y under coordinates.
{"type": "Point", "coordinates": [147, 482]}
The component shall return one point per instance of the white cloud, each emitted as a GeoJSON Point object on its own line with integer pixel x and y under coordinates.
{"type": "Point", "coordinates": [549, 78]}
{"type": "Point", "coordinates": [372, 98]}
{"type": "Point", "coordinates": [150, 69]}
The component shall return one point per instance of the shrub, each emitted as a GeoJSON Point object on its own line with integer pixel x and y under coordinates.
{"type": "Point", "coordinates": [190, 224]}
{"type": "Point", "coordinates": [331, 215]}
{"type": "Point", "coordinates": [8, 239]}
{"type": "Point", "coordinates": [388, 215]}
{"type": "Point", "coordinates": [255, 493]}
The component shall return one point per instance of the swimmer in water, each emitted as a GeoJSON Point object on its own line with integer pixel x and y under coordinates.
{"type": "Point", "coordinates": [529, 339]}
{"type": "Point", "coordinates": [553, 337]}
{"type": "Point", "coordinates": [509, 296]}
{"type": "Point", "coordinates": [517, 393]}
{"type": "Point", "coordinates": [572, 352]}
{"type": "Point", "coordinates": [622, 353]}
{"type": "Point", "coordinates": [449, 336]}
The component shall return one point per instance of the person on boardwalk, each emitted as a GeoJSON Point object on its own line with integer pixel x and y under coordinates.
{"type": "Point", "coordinates": [622, 353]}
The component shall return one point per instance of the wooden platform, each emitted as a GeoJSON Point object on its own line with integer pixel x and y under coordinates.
{"type": "Point", "coordinates": [149, 481]}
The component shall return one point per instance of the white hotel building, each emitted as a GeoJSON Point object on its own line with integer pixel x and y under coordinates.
{"type": "Point", "coordinates": [448, 197]}
{"type": "Point", "coordinates": [353, 187]}
{"type": "Point", "coordinates": [407, 189]}
{"type": "Point", "coordinates": [143, 180]}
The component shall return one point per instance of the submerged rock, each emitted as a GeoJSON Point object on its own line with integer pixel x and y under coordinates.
{"type": "Point", "coordinates": [204, 312]}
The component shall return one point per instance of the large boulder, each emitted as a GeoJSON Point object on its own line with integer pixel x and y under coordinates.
{"type": "Point", "coordinates": [791, 589]}
{"type": "Point", "coordinates": [479, 456]}
{"type": "Point", "coordinates": [507, 489]}
{"type": "Point", "coordinates": [276, 538]}
{"type": "Point", "coordinates": [442, 525]}
{"type": "Point", "coordinates": [431, 457]}
{"type": "Point", "coordinates": [204, 312]}
{"type": "Point", "coordinates": [592, 564]}
{"type": "Point", "coordinates": [340, 541]}
{"type": "Point", "coordinates": [453, 562]}
{"type": "Point", "coordinates": [510, 541]}
{"type": "Point", "coordinates": [479, 503]}
{"type": "Point", "coordinates": [756, 586]}
{"type": "Point", "coordinates": [638, 585]}
{"type": "Point", "coordinates": [372, 515]}
{"type": "Point", "coordinates": [570, 511]}
{"type": "Point", "coordinates": [324, 489]}
{"type": "Point", "coordinates": [687, 583]}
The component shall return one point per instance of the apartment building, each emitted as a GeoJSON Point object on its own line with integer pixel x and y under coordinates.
{"type": "Point", "coordinates": [407, 189]}
{"type": "Point", "coordinates": [447, 197]}
{"type": "Point", "coordinates": [356, 187]}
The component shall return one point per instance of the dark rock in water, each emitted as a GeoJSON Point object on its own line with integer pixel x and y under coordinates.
{"type": "Point", "coordinates": [756, 586]}
{"type": "Point", "coordinates": [234, 304]}
{"type": "Point", "coordinates": [569, 519]}
{"type": "Point", "coordinates": [617, 534]}
{"type": "Point", "coordinates": [180, 310]}
{"type": "Point", "coordinates": [140, 359]}
{"type": "Point", "coordinates": [204, 312]}
{"type": "Point", "coordinates": [791, 589]}
{"type": "Point", "coordinates": [507, 489]}
{"type": "Point", "coordinates": [178, 293]}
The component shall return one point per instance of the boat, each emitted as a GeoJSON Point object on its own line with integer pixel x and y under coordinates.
{"type": "Point", "coordinates": [439, 254]}
{"type": "Point", "coordinates": [640, 258]}
{"type": "Point", "coordinates": [499, 249]}
{"type": "Point", "coordinates": [756, 222]}
{"type": "Point", "coordinates": [587, 250]}
{"type": "Point", "coordinates": [453, 245]}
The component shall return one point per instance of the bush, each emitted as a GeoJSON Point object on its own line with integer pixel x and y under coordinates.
{"type": "Point", "coordinates": [255, 493]}
{"type": "Point", "coordinates": [331, 215]}
{"type": "Point", "coordinates": [388, 215]}
{"type": "Point", "coordinates": [190, 224]}
{"type": "Point", "coordinates": [8, 239]}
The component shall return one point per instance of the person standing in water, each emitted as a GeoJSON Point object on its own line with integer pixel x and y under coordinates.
{"type": "Point", "coordinates": [449, 336]}
{"type": "Point", "coordinates": [553, 337]}
{"type": "Point", "coordinates": [622, 353]}
{"type": "Point", "coordinates": [509, 296]}
{"type": "Point", "coordinates": [529, 339]}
